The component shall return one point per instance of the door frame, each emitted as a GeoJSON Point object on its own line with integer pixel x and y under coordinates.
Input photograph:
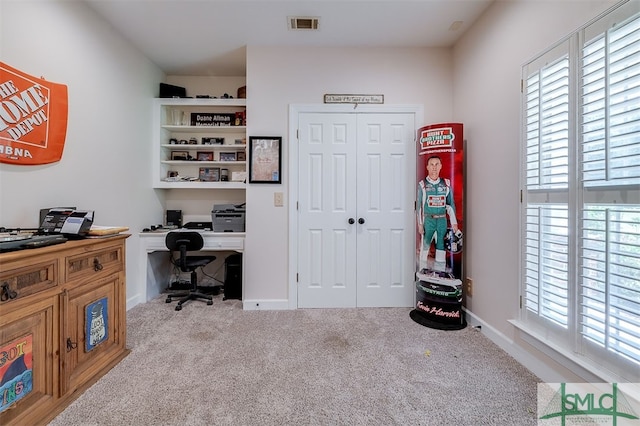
{"type": "Point", "coordinates": [292, 166]}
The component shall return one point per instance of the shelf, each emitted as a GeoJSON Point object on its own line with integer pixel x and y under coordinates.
{"type": "Point", "coordinates": [201, 147]}
{"type": "Point", "coordinates": [200, 185]}
{"type": "Point", "coordinates": [164, 131]}
{"type": "Point", "coordinates": [203, 163]}
{"type": "Point", "coordinates": [205, 129]}
{"type": "Point", "coordinates": [198, 102]}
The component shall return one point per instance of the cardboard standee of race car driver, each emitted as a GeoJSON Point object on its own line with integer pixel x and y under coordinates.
{"type": "Point", "coordinates": [434, 205]}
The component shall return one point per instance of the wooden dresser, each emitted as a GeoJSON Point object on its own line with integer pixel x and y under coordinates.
{"type": "Point", "coordinates": [62, 324]}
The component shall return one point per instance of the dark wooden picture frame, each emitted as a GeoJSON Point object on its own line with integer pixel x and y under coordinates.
{"type": "Point", "coordinates": [204, 155]}
{"type": "Point", "coordinates": [265, 159]}
{"type": "Point", "coordinates": [179, 155]}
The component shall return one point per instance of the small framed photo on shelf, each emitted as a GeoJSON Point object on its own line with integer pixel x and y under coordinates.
{"type": "Point", "coordinates": [204, 155]}
{"type": "Point", "coordinates": [179, 155]}
{"type": "Point", "coordinates": [209, 174]}
{"type": "Point", "coordinates": [265, 159]}
{"type": "Point", "coordinates": [227, 156]}
{"type": "Point", "coordinates": [172, 174]}
{"type": "Point", "coordinates": [241, 156]}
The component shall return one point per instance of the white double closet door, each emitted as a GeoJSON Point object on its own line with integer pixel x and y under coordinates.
{"type": "Point", "coordinates": [356, 223]}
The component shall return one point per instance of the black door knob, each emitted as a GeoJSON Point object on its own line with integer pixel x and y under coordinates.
{"type": "Point", "coordinates": [351, 221]}
{"type": "Point", "coordinates": [361, 221]}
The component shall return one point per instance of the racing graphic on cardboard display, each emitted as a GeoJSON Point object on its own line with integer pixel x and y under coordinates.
{"type": "Point", "coordinates": [440, 225]}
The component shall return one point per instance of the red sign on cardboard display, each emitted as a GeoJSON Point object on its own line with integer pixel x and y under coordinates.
{"type": "Point", "coordinates": [33, 118]}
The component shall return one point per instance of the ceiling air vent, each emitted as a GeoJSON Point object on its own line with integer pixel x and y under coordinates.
{"type": "Point", "coordinates": [303, 22]}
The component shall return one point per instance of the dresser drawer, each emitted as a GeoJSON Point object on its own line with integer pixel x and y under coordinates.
{"type": "Point", "coordinates": [223, 243]}
{"type": "Point", "coordinates": [94, 263]}
{"type": "Point", "coordinates": [27, 280]}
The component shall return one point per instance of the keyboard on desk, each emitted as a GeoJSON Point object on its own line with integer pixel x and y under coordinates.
{"type": "Point", "coordinates": [205, 226]}
{"type": "Point", "coordinates": [12, 244]}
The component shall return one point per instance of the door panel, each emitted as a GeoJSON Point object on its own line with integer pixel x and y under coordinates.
{"type": "Point", "coordinates": [326, 277]}
{"type": "Point", "coordinates": [386, 175]}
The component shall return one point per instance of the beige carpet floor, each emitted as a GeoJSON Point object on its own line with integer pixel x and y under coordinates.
{"type": "Point", "coordinates": [220, 365]}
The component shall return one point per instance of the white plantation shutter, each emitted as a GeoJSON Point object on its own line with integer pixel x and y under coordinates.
{"type": "Point", "coordinates": [611, 107]}
{"type": "Point", "coordinates": [546, 280]}
{"type": "Point", "coordinates": [546, 162]}
{"type": "Point", "coordinates": [581, 200]}
{"type": "Point", "coordinates": [609, 232]}
{"type": "Point", "coordinates": [548, 126]}
{"type": "Point", "coordinates": [610, 278]}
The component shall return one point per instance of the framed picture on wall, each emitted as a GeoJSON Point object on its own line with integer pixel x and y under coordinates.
{"type": "Point", "coordinates": [265, 159]}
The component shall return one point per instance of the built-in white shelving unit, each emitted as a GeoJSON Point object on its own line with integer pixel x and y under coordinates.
{"type": "Point", "coordinates": [189, 153]}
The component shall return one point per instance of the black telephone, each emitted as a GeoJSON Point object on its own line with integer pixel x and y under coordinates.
{"type": "Point", "coordinates": [69, 222]}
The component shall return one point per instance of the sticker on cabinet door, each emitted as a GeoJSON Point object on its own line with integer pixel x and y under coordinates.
{"type": "Point", "coordinates": [96, 324]}
{"type": "Point", "coordinates": [16, 371]}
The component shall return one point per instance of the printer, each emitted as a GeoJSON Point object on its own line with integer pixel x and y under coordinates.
{"type": "Point", "coordinates": [228, 217]}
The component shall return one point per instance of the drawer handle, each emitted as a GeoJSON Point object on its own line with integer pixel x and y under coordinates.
{"type": "Point", "coordinates": [7, 293]}
{"type": "Point", "coordinates": [71, 345]}
{"type": "Point", "coordinates": [96, 265]}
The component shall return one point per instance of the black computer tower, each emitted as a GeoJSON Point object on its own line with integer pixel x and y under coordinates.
{"type": "Point", "coordinates": [233, 277]}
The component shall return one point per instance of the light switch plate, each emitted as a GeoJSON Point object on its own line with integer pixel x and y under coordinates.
{"type": "Point", "coordinates": [278, 199]}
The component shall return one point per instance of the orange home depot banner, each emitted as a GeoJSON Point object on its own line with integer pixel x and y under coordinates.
{"type": "Point", "coordinates": [33, 118]}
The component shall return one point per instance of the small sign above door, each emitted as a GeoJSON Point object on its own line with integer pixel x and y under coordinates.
{"type": "Point", "coordinates": [353, 99]}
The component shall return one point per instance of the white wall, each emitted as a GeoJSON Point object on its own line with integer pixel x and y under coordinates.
{"type": "Point", "coordinates": [487, 70]}
{"type": "Point", "coordinates": [278, 77]}
{"type": "Point", "coordinates": [106, 160]}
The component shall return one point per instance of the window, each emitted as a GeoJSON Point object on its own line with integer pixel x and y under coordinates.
{"type": "Point", "coordinates": [581, 198]}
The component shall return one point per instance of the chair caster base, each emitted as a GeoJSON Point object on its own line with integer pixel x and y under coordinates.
{"type": "Point", "coordinates": [178, 307]}
{"type": "Point", "coordinates": [168, 300]}
{"type": "Point", "coordinates": [209, 302]}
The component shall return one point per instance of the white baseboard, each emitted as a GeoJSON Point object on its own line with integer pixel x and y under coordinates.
{"type": "Point", "coordinates": [532, 363]}
{"type": "Point", "coordinates": [266, 305]}
{"type": "Point", "coordinates": [133, 301]}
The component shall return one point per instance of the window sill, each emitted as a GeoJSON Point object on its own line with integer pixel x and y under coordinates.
{"type": "Point", "coordinates": [578, 365]}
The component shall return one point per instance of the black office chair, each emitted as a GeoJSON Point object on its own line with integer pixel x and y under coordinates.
{"type": "Point", "coordinates": [183, 242]}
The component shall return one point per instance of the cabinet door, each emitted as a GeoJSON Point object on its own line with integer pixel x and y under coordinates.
{"type": "Point", "coordinates": [28, 360]}
{"type": "Point", "coordinates": [94, 335]}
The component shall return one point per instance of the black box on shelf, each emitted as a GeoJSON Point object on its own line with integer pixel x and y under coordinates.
{"type": "Point", "coordinates": [171, 91]}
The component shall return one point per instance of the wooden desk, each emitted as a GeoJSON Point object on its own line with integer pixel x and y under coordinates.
{"type": "Point", "coordinates": [63, 327]}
